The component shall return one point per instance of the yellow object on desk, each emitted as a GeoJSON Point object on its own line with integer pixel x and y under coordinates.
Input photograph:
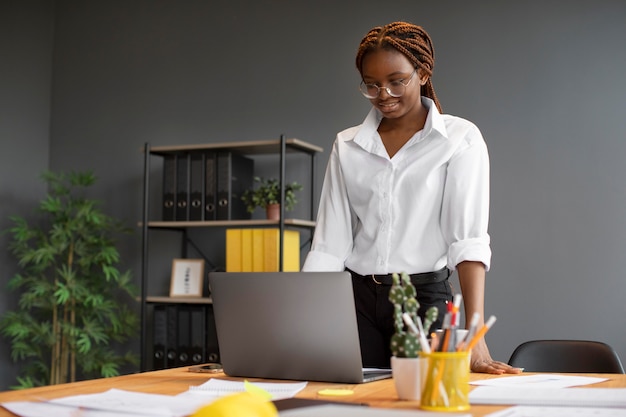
{"type": "Point", "coordinates": [447, 381]}
{"type": "Point", "coordinates": [241, 404]}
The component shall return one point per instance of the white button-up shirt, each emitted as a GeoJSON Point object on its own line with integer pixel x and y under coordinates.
{"type": "Point", "coordinates": [423, 209]}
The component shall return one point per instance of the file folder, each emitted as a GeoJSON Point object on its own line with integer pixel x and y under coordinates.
{"type": "Point", "coordinates": [182, 187]}
{"type": "Point", "coordinates": [184, 336]}
{"type": "Point", "coordinates": [169, 187]}
{"type": "Point", "coordinates": [196, 187]}
{"type": "Point", "coordinates": [212, 345]}
{"type": "Point", "coordinates": [159, 324]}
{"type": "Point", "coordinates": [171, 357]}
{"type": "Point", "coordinates": [235, 175]}
{"type": "Point", "coordinates": [210, 184]}
{"type": "Point", "coordinates": [257, 250]}
{"type": "Point", "coordinates": [197, 345]}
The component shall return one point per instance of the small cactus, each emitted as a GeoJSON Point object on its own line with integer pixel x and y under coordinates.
{"type": "Point", "coordinates": [402, 294]}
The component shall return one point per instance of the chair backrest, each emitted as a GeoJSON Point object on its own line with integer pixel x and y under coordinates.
{"type": "Point", "coordinates": [566, 356]}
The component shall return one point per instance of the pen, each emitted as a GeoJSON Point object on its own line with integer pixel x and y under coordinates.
{"type": "Point", "coordinates": [479, 334]}
{"type": "Point", "coordinates": [409, 322]}
{"type": "Point", "coordinates": [471, 331]}
{"type": "Point", "coordinates": [434, 342]}
{"type": "Point", "coordinates": [422, 336]}
{"type": "Point", "coordinates": [456, 318]}
{"type": "Point", "coordinates": [447, 319]}
{"type": "Point", "coordinates": [419, 331]}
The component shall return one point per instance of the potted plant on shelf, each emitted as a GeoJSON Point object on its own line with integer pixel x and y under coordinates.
{"type": "Point", "coordinates": [267, 196]}
{"type": "Point", "coordinates": [406, 367]}
{"type": "Point", "coordinates": [72, 311]}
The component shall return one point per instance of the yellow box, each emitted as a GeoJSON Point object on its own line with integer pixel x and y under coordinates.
{"type": "Point", "coordinates": [256, 250]}
{"type": "Point", "coordinates": [447, 381]}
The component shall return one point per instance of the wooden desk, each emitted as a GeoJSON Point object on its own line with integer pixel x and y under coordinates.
{"type": "Point", "coordinates": [174, 381]}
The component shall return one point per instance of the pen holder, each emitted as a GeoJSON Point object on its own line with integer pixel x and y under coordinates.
{"type": "Point", "coordinates": [447, 381]}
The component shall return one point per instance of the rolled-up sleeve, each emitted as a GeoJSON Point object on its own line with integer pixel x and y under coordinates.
{"type": "Point", "coordinates": [465, 209]}
{"type": "Point", "coordinates": [333, 239]}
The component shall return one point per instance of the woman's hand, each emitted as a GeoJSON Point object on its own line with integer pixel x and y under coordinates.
{"type": "Point", "coordinates": [481, 362]}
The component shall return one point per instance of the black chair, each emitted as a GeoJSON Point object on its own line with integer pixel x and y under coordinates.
{"type": "Point", "coordinates": [566, 356]}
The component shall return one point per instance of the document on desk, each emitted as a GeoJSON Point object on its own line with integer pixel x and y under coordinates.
{"type": "Point", "coordinates": [540, 380]}
{"type": "Point", "coordinates": [536, 411]}
{"type": "Point", "coordinates": [567, 397]}
{"type": "Point", "coordinates": [113, 402]}
{"type": "Point", "coordinates": [116, 403]}
{"type": "Point", "coordinates": [215, 387]}
{"type": "Point", "coordinates": [360, 411]}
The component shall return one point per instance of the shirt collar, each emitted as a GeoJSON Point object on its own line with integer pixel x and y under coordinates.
{"type": "Point", "coordinates": [367, 136]}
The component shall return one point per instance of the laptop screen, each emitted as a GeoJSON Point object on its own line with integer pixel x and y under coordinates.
{"type": "Point", "coordinates": [287, 325]}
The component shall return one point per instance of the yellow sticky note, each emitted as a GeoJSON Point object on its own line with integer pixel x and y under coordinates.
{"type": "Point", "coordinates": [336, 392]}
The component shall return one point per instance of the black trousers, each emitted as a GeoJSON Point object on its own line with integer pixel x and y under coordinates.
{"type": "Point", "coordinates": [374, 314]}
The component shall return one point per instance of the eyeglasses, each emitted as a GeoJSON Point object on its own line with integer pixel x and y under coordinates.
{"type": "Point", "coordinates": [394, 89]}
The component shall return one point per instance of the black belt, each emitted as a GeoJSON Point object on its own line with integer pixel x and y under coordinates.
{"type": "Point", "coordinates": [417, 279]}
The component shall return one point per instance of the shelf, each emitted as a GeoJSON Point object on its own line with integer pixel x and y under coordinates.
{"type": "Point", "coordinates": [228, 223]}
{"type": "Point", "coordinates": [279, 147]}
{"type": "Point", "coordinates": [179, 300]}
{"type": "Point", "coordinates": [249, 147]}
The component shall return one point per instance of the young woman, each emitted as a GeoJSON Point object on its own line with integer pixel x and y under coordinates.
{"type": "Point", "coordinates": [405, 191]}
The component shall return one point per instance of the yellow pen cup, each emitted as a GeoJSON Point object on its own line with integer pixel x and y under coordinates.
{"type": "Point", "coordinates": [447, 381]}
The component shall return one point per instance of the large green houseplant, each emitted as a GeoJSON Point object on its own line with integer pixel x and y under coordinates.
{"type": "Point", "coordinates": [73, 302]}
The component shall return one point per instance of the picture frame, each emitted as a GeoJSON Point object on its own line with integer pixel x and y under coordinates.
{"type": "Point", "coordinates": [187, 278]}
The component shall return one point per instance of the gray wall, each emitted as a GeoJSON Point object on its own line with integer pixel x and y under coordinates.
{"type": "Point", "coordinates": [26, 29]}
{"type": "Point", "coordinates": [544, 82]}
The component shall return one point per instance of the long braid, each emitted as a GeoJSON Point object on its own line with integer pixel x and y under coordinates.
{"type": "Point", "coordinates": [411, 41]}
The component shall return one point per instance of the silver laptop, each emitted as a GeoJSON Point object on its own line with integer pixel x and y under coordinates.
{"type": "Point", "coordinates": [289, 325]}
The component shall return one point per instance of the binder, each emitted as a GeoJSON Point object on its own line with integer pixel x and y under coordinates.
{"type": "Point", "coordinates": [169, 187]}
{"type": "Point", "coordinates": [246, 250]}
{"type": "Point", "coordinates": [210, 184]}
{"type": "Point", "coordinates": [183, 346]}
{"type": "Point", "coordinates": [159, 326]}
{"type": "Point", "coordinates": [182, 187]}
{"type": "Point", "coordinates": [291, 250]}
{"type": "Point", "coordinates": [196, 186]}
{"type": "Point", "coordinates": [234, 176]}
{"type": "Point", "coordinates": [258, 251]}
{"type": "Point", "coordinates": [171, 357]}
{"type": "Point", "coordinates": [212, 345]}
{"type": "Point", "coordinates": [233, 250]}
{"type": "Point", "coordinates": [197, 345]}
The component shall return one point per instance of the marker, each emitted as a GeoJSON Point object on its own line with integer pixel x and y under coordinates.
{"type": "Point", "coordinates": [479, 334]}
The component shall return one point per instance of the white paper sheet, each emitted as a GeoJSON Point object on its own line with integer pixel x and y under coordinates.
{"type": "Point", "coordinates": [566, 397]}
{"type": "Point", "coordinates": [113, 402]}
{"type": "Point", "coordinates": [43, 409]}
{"type": "Point", "coordinates": [218, 387]}
{"type": "Point", "coordinates": [541, 380]}
{"type": "Point", "coordinates": [120, 403]}
{"type": "Point", "coordinates": [533, 411]}
{"type": "Point", "coordinates": [360, 411]}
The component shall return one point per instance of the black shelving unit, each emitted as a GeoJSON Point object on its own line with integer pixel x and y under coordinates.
{"type": "Point", "coordinates": [281, 147]}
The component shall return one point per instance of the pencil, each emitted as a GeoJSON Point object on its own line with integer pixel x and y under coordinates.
{"type": "Point", "coordinates": [480, 333]}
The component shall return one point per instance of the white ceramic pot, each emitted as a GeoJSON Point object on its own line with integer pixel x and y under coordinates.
{"type": "Point", "coordinates": [408, 377]}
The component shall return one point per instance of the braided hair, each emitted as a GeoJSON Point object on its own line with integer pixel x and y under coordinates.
{"type": "Point", "coordinates": [411, 41]}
